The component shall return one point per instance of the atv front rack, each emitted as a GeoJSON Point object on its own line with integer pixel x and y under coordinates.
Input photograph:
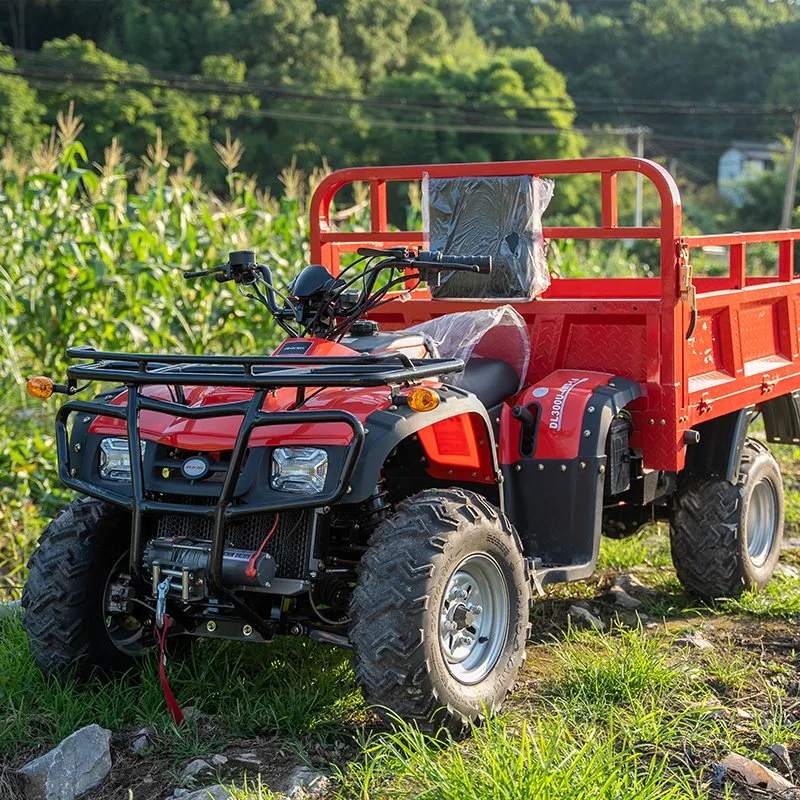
{"type": "Point", "coordinates": [260, 373]}
{"type": "Point", "coordinates": [256, 372]}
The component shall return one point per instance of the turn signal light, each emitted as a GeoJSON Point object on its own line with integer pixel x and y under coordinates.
{"type": "Point", "coordinates": [423, 399]}
{"type": "Point", "coordinates": [39, 387]}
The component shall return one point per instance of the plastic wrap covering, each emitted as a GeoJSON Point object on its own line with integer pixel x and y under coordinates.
{"type": "Point", "coordinates": [490, 333]}
{"type": "Point", "coordinates": [498, 217]}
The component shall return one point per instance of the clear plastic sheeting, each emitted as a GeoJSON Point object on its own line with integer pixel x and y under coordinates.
{"type": "Point", "coordinates": [498, 217]}
{"type": "Point", "coordinates": [489, 333]}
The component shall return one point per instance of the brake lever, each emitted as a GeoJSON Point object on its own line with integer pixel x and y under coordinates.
{"type": "Point", "coordinates": [201, 273]}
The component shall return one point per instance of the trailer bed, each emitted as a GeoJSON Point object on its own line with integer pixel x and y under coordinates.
{"type": "Point", "coordinates": [743, 348]}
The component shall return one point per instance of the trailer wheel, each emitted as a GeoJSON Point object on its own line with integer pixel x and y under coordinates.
{"type": "Point", "coordinates": [726, 537]}
{"type": "Point", "coordinates": [69, 631]}
{"type": "Point", "coordinates": [440, 612]}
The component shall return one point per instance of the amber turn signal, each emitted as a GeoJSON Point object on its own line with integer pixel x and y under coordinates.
{"type": "Point", "coordinates": [39, 386]}
{"type": "Point", "coordinates": [423, 399]}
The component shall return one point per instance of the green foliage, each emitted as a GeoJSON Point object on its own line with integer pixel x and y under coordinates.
{"type": "Point", "coordinates": [293, 687]}
{"type": "Point", "coordinates": [780, 598]}
{"type": "Point", "coordinates": [600, 671]}
{"type": "Point", "coordinates": [20, 110]}
{"type": "Point", "coordinates": [94, 256]}
{"type": "Point", "coordinates": [547, 758]}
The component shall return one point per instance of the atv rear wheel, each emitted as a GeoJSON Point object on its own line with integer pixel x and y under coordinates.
{"type": "Point", "coordinates": [440, 613]}
{"type": "Point", "coordinates": [727, 537]}
{"type": "Point", "coordinates": [69, 629]}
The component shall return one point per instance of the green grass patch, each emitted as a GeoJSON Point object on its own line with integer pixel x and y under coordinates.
{"type": "Point", "coordinates": [600, 670]}
{"type": "Point", "coordinates": [544, 759]}
{"type": "Point", "coordinates": [292, 687]}
{"type": "Point", "coordinates": [649, 547]}
{"type": "Point", "coordinates": [779, 598]}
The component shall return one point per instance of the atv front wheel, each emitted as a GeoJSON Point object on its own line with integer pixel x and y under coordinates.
{"type": "Point", "coordinates": [440, 612]}
{"type": "Point", "coordinates": [726, 537]}
{"type": "Point", "coordinates": [69, 629]}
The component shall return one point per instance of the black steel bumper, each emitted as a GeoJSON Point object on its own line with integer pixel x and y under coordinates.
{"type": "Point", "coordinates": [261, 374]}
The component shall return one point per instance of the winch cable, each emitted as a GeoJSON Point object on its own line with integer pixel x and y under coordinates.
{"type": "Point", "coordinates": [169, 698]}
{"type": "Point", "coordinates": [251, 565]}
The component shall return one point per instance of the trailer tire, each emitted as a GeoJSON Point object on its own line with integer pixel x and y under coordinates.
{"type": "Point", "coordinates": [64, 596]}
{"type": "Point", "coordinates": [426, 563]}
{"type": "Point", "coordinates": [726, 537]}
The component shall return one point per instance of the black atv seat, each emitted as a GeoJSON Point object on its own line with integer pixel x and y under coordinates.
{"type": "Point", "coordinates": [491, 380]}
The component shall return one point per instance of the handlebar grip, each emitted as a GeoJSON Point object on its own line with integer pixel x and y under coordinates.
{"type": "Point", "coordinates": [483, 263]}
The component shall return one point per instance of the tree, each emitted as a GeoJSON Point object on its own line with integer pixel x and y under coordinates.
{"type": "Point", "coordinates": [20, 109]}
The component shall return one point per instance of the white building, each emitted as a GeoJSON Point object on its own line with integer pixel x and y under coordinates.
{"type": "Point", "coordinates": [741, 161]}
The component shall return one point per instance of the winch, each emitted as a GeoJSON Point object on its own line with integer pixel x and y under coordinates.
{"type": "Point", "coordinates": [185, 562]}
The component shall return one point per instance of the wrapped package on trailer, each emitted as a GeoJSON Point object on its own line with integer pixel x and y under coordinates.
{"type": "Point", "coordinates": [497, 333]}
{"type": "Point", "coordinates": [497, 217]}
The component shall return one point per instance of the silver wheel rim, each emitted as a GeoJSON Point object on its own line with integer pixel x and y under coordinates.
{"type": "Point", "coordinates": [762, 520]}
{"type": "Point", "coordinates": [474, 618]}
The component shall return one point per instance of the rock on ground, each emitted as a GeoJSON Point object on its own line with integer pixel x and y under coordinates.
{"type": "Point", "coordinates": [583, 615]}
{"type": "Point", "coordinates": [195, 768]}
{"type": "Point", "coordinates": [215, 792]}
{"type": "Point", "coordinates": [306, 782]}
{"type": "Point", "coordinates": [693, 639]}
{"type": "Point", "coordinates": [754, 773]}
{"type": "Point", "coordinates": [13, 608]}
{"type": "Point", "coordinates": [623, 599]}
{"type": "Point", "coordinates": [78, 764]}
{"type": "Point", "coordinates": [632, 585]}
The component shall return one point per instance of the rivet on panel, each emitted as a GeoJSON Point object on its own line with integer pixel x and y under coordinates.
{"type": "Point", "coordinates": [601, 469]}
{"type": "Point", "coordinates": [587, 434]}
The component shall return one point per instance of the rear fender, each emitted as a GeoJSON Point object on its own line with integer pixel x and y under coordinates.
{"type": "Point", "coordinates": [456, 439]}
{"type": "Point", "coordinates": [718, 451]}
{"type": "Point", "coordinates": [553, 480]}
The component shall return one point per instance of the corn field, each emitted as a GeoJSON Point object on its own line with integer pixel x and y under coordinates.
{"type": "Point", "coordinates": [92, 253]}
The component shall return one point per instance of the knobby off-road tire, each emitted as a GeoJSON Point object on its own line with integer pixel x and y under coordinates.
{"type": "Point", "coordinates": [438, 546]}
{"type": "Point", "coordinates": [64, 596]}
{"type": "Point", "coordinates": [726, 537]}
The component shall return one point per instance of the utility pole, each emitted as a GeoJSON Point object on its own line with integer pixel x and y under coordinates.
{"type": "Point", "coordinates": [791, 178]}
{"type": "Point", "coordinates": [640, 132]}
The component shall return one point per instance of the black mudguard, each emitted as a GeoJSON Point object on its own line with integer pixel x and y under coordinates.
{"type": "Point", "coordinates": [556, 504]}
{"type": "Point", "coordinates": [387, 429]}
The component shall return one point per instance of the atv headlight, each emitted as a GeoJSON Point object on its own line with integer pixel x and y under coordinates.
{"type": "Point", "coordinates": [301, 470]}
{"type": "Point", "coordinates": [115, 462]}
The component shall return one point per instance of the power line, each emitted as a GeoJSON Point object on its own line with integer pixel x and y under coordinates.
{"type": "Point", "coordinates": [83, 73]}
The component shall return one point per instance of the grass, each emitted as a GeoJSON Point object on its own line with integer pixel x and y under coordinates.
{"type": "Point", "coordinates": [541, 759]}
{"type": "Point", "coordinates": [599, 670]}
{"type": "Point", "coordinates": [648, 548]}
{"type": "Point", "coordinates": [294, 688]}
{"type": "Point", "coordinates": [780, 598]}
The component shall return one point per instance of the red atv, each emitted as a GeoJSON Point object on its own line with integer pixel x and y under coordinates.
{"type": "Point", "coordinates": [400, 477]}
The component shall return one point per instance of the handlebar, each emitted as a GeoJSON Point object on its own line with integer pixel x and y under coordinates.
{"type": "Point", "coordinates": [435, 258]}
{"type": "Point", "coordinates": [431, 259]}
{"type": "Point", "coordinates": [332, 307]}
